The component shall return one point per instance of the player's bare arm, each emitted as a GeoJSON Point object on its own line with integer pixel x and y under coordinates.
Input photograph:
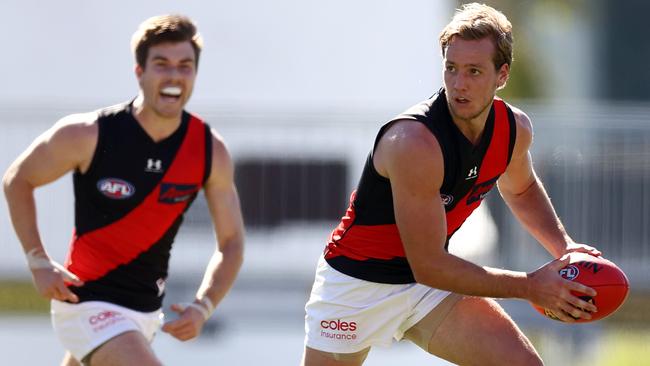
{"type": "Point", "coordinates": [412, 160]}
{"type": "Point", "coordinates": [223, 202]}
{"type": "Point", "coordinates": [524, 193]}
{"type": "Point", "coordinates": [68, 145]}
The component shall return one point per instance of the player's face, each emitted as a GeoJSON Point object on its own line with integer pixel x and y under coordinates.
{"type": "Point", "coordinates": [470, 78]}
{"type": "Point", "coordinates": [167, 80]}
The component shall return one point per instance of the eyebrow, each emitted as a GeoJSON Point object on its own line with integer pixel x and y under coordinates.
{"type": "Point", "coordinates": [466, 65]}
{"type": "Point", "coordinates": [163, 58]}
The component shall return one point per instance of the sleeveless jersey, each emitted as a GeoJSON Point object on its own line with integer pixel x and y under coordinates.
{"type": "Point", "coordinates": [130, 204]}
{"type": "Point", "coordinates": [367, 245]}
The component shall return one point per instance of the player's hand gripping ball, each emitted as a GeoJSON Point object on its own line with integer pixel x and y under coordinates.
{"type": "Point", "coordinates": [602, 275]}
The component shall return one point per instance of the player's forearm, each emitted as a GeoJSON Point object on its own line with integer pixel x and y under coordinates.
{"type": "Point", "coordinates": [22, 210]}
{"type": "Point", "coordinates": [221, 272]}
{"type": "Point", "coordinates": [455, 274]}
{"type": "Point", "coordinates": [535, 212]}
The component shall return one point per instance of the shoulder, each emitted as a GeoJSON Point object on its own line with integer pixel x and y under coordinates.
{"type": "Point", "coordinates": [409, 135]}
{"type": "Point", "coordinates": [522, 121]}
{"type": "Point", "coordinates": [68, 144]}
{"type": "Point", "coordinates": [78, 127]}
{"type": "Point", "coordinates": [406, 144]}
{"type": "Point", "coordinates": [219, 148]}
{"type": "Point", "coordinates": [524, 130]}
{"type": "Point", "coordinates": [74, 135]}
{"type": "Point", "coordinates": [222, 168]}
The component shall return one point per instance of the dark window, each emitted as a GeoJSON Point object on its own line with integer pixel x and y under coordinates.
{"type": "Point", "coordinates": [277, 191]}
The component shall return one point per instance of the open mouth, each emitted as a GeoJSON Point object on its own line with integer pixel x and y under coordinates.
{"type": "Point", "coordinates": [171, 92]}
{"type": "Point", "coordinates": [461, 100]}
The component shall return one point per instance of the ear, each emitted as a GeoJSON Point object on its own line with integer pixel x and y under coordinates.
{"type": "Point", "coordinates": [138, 71]}
{"type": "Point", "coordinates": [502, 75]}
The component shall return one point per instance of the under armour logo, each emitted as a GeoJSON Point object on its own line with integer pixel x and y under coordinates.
{"type": "Point", "coordinates": [154, 166]}
{"type": "Point", "coordinates": [473, 173]}
{"type": "Point", "coordinates": [160, 283]}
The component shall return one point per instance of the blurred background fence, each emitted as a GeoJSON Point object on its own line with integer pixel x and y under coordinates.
{"type": "Point", "coordinates": [296, 169]}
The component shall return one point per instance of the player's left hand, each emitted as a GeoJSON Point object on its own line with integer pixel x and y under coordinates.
{"type": "Point", "coordinates": [188, 325]}
{"type": "Point", "coordinates": [582, 248]}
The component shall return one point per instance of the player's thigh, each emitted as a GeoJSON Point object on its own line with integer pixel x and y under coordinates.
{"type": "Point", "coordinates": [313, 357]}
{"type": "Point", "coordinates": [129, 348]}
{"type": "Point", "coordinates": [477, 331]}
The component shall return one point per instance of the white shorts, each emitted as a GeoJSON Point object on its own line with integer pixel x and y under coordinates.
{"type": "Point", "coordinates": [346, 315]}
{"type": "Point", "coordinates": [85, 326]}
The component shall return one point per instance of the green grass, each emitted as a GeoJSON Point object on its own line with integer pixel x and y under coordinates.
{"type": "Point", "coordinates": [614, 344]}
{"type": "Point", "coordinates": [20, 297]}
{"type": "Point", "coordinates": [623, 347]}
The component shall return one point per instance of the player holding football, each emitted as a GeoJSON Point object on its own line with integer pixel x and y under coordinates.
{"type": "Point", "coordinates": [136, 169]}
{"type": "Point", "coordinates": [386, 272]}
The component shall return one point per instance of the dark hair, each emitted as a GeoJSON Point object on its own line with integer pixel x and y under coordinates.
{"type": "Point", "coordinates": [477, 21]}
{"type": "Point", "coordinates": [161, 29]}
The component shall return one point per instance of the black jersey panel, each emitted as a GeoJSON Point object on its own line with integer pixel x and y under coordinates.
{"type": "Point", "coordinates": [394, 271]}
{"type": "Point", "coordinates": [126, 167]}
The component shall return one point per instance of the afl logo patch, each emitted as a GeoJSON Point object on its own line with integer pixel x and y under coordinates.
{"type": "Point", "coordinates": [447, 199]}
{"type": "Point", "coordinates": [116, 189]}
{"type": "Point", "coordinates": [570, 272]}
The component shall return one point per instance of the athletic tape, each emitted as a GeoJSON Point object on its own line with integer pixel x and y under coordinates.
{"type": "Point", "coordinates": [37, 259]}
{"type": "Point", "coordinates": [208, 304]}
{"type": "Point", "coordinates": [205, 307]}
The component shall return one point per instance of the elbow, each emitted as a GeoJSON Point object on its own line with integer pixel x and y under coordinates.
{"type": "Point", "coordinates": [421, 271]}
{"type": "Point", "coordinates": [14, 184]}
{"type": "Point", "coordinates": [419, 276]}
{"type": "Point", "coordinates": [9, 181]}
{"type": "Point", "coordinates": [429, 271]}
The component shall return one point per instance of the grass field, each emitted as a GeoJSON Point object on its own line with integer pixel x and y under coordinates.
{"type": "Point", "coordinates": [623, 347]}
{"type": "Point", "coordinates": [623, 340]}
{"type": "Point", "coordinates": [21, 297]}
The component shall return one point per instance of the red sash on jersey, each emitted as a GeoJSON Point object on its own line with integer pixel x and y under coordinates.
{"type": "Point", "coordinates": [361, 242]}
{"type": "Point", "coordinates": [95, 253]}
{"type": "Point", "coordinates": [494, 164]}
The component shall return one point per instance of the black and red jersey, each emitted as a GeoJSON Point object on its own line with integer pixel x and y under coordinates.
{"type": "Point", "coordinates": [367, 245]}
{"type": "Point", "coordinates": [129, 205]}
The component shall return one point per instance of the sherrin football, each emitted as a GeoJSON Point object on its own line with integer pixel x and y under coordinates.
{"type": "Point", "coordinates": [602, 275]}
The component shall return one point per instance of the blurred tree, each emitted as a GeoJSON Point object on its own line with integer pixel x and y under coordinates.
{"type": "Point", "coordinates": [624, 50]}
{"type": "Point", "coordinates": [548, 65]}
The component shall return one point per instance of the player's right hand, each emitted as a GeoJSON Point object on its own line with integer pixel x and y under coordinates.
{"type": "Point", "coordinates": [50, 281]}
{"type": "Point", "coordinates": [50, 277]}
{"type": "Point", "coordinates": [549, 290]}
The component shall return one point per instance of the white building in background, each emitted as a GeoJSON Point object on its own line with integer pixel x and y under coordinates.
{"type": "Point", "coordinates": [282, 79]}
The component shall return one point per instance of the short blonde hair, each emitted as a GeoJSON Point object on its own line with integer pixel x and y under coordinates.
{"type": "Point", "coordinates": [477, 21]}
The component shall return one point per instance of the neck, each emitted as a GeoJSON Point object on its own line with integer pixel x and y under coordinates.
{"type": "Point", "coordinates": [472, 128]}
{"type": "Point", "coordinates": [156, 126]}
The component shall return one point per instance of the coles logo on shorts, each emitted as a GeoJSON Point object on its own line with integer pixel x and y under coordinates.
{"type": "Point", "coordinates": [337, 329]}
{"type": "Point", "coordinates": [104, 319]}
{"type": "Point", "coordinates": [115, 188]}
